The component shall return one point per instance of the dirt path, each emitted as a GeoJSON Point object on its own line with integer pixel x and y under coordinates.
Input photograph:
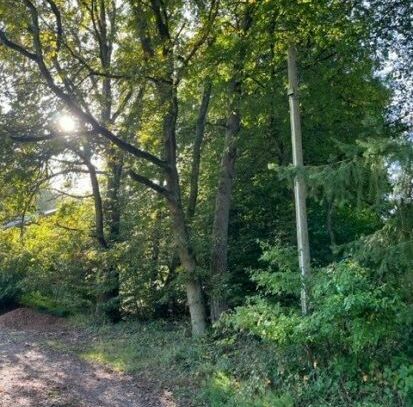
{"type": "Point", "coordinates": [33, 375]}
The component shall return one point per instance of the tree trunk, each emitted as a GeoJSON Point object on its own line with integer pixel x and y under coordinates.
{"type": "Point", "coordinates": [107, 301]}
{"type": "Point", "coordinates": [330, 225]}
{"type": "Point", "coordinates": [193, 285]}
{"type": "Point", "coordinates": [180, 231]}
{"type": "Point", "coordinates": [110, 298]}
{"type": "Point", "coordinates": [97, 199]}
{"type": "Point", "coordinates": [115, 167]}
{"type": "Point", "coordinates": [196, 152]}
{"type": "Point", "coordinates": [196, 161]}
{"type": "Point", "coordinates": [219, 251]}
{"type": "Point", "coordinates": [167, 91]}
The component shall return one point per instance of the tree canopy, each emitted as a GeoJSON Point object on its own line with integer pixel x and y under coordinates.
{"type": "Point", "coordinates": [146, 171]}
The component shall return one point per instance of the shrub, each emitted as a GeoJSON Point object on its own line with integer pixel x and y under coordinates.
{"type": "Point", "coordinates": [353, 349]}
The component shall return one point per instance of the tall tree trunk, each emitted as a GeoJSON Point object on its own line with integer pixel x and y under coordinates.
{"type": "Point", "coordinates": [167, 85]}
{"type": "Point", "coordinates": [110, 298]}
{"type": "Point", "coordinates": [193, 285]}
{"type": "Point", "coordinates": [196, 162]}
{"type": "Point", "coordinates": [219, 250]}
{"type": "Point", "coordinates": [180, 231]}
{"type": "Point", "coordinates": [110, 285]}
{"type": "Point", "coordinates": [97, 199]}
{"type": "Point", "coordinates": [115, 167]}
{"type": "Point", "coordinates": [330, 225]}
{"type": "Point", "coordinates": [196, 151]}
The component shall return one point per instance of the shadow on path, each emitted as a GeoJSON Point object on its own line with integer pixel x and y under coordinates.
{"type": "Point", "coordinates": [33, 376]}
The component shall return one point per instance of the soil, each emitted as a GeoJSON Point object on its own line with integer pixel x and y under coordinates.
{"type": "Point", "coordinates": [32, 374]}
{"type": "Point", "coordinates": [27, 319]}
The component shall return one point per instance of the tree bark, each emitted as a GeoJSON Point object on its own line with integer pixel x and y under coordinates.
{"type": "Point", "coordinates": [180, 231]}
{"type": "Point", "coordinates": [196, 151]}
{"type": "Point", "coordinates": [330, 225]}
{"type": "Point", "coordinates": [109, 299]}
{"type": "Point", "coordinates": [97, 199]}
{"type": "Point", "coordinates": [111, 282]}
{"type": "Point", "coordinates": [193, 285]}
{"type": "Point", "coordinates": [219, 248]}
{"type": "Point", "coordinates": [114, 207]}
{"type": "Point", "coordinates": [219, 251]}
{"type": "Point", "coordinates": [195, 169]}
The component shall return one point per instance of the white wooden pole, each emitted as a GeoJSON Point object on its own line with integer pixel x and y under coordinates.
{"type": "Point", "coordinates": [299, 182]}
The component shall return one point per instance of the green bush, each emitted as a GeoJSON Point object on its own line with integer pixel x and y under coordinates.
{"type": "Point", "coordinates": [10, 288]}
{"type": "Point", "coordinates": [14, 263]}
{"type": "Point", "coordinates": [353, 348]}
{"type": "Point", "coordinates": [47, 267]}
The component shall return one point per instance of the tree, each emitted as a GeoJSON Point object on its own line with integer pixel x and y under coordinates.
{"type": "Point", "coordinates": [165, 82]}
{"type": "Point", "coordinates": [219, 250]}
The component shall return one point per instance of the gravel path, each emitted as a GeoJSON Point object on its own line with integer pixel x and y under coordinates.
{"type": "Point", "coordinates": [33, 375]}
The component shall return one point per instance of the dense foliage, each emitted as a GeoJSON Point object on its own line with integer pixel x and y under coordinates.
{"type": "Point", "coordinates": [145, 169]}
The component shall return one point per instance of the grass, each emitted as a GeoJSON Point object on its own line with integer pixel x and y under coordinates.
{"type": "Point", "coordinates": [199, 372]}
{"type": "Point", "coordinates": [43, 303]}
{"type": "Point", "coordinates": [215, 371]}
{"type": "Point", "coordinates": [160, 352]}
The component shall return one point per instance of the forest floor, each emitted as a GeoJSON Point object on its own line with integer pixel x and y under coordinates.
{"type": "Point", "coordinates": [38, 369]}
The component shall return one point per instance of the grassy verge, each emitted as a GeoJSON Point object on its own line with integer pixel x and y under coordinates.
{"type": "Point", "coordinates": [199, 372]}
{"type": "Point", "coordinates": [220, 371]}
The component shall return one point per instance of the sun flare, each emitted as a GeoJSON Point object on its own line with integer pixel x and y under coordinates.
{"type": "Point", "coordinates": [66, 123]}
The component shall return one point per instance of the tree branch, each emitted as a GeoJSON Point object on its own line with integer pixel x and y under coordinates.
{"type": "Point", "coordinates": [122, 106]}
{"type": "Point", "coordinates": [59, 26]}
{"type": "Point", "coordinates": [150, 184]}
{"type": "Point", "coordinates": [50, 136]}
{"type": "Point", "coordinates": [68, 99]}
{"type": "Point", "coordinates": [213, 11]}
{"type": "Point", "coordinates": [16, 47]}
{"type": "Point", "coordinates": [58, 191]}
{"type": "Point", "coordinates": [69, 229]}
{"type": "Point", "coordinates": [32, 139]}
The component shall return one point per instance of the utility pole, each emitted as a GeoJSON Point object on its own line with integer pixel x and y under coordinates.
{"type": "Point", "coordinates": [299, 182]}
